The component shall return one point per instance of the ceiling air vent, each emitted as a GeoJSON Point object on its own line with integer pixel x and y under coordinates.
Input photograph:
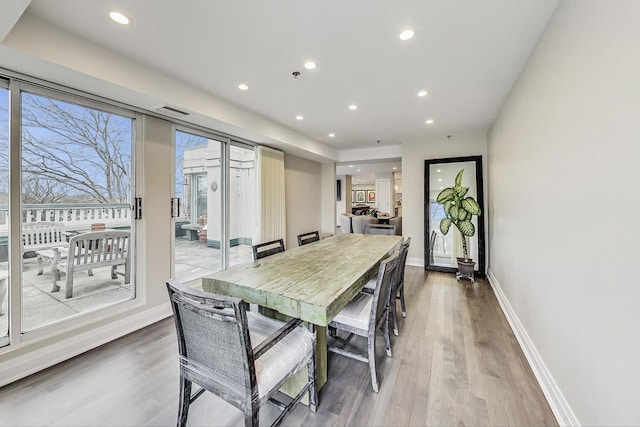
{"type": "Point", "coordinates": [172, 111]}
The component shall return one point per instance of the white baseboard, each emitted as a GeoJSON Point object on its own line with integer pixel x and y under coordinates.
{"type": "Point", "coordinates": [415, 262]}
{"type": "Point", "coordinates": [558, 403]}
{"type": "Point", "coordinates": [45, 357]}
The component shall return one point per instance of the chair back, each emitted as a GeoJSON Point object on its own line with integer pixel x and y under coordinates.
{"type": "Point", "coordinates": [262, 250]}
{"type": "Point", "coordinates": [310, 237]}
{"type": "Point", "coordinates": [359, 221]}
{"type": "Point", "coordinates": [402, 262]}
{"type": "Point", "coordinates": [213, 342]}
{"type": "Point", "coordinates": [385, 229]}
{"type": "Point", "coordinates": [382, 291]}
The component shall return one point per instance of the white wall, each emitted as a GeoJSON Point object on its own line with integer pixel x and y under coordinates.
{"type": "Point", "coordinates": [414, 153]}
{"type": "Point", "coordinates": [563, 164]}
{"type": "Point", "coordinates": [303, 186]}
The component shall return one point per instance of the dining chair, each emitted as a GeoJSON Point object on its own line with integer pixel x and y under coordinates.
{"type": "Point", "coordinates": [397, 291]}
{"type": "Point", "coordinates": [262, 250]}
{"type": "Point", "coordinates": [364, 315]}
{"type": "Point", "coordinates": [385, 229]}
{"type": "Point", "coordinates": [310, 237]}
{"type": "Point", "coordinates": [238, 355]}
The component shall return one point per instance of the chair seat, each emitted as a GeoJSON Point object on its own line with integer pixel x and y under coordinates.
{"type": "Point", "coordinates": [356, 313]}
{"type": "Point", "coordinates": [272, 366]}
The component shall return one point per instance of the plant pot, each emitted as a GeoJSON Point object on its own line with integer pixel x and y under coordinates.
{"type": "Point", "coordinates": [465, 269]}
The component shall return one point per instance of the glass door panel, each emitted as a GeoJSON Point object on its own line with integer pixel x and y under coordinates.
{"type": "Point", "coordinates": [241, 204]}
{"type": "Point", "coordinates": [4, 215]}
{"type": "Point", "coordinates": [76, 178]}
{"type": "Point", "coordinates": [197, 248]}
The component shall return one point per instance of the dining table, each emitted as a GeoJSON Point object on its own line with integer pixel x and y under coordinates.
{"type": "Point", "coordinates": [312, 282]}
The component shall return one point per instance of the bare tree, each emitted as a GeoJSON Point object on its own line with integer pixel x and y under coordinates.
{"type": "Point", "coordinates": [73, 150]}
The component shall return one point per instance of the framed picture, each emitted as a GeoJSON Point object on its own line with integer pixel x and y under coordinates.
{"type": "Point", "coordinates": [361, 196]}
{"type": "Point", "coordinates": [371, 196]}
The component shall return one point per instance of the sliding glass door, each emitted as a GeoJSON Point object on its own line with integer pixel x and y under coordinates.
{"type": "Point", "coordinates": [4, 213]}
{"type": "Point", "coordinates": [242, 198]}
{"type": "Point", "coordinates": [198, 174]}
{"type": "Point", "coordinates": [76, 177]}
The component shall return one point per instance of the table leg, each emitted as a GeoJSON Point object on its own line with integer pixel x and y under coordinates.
{"type": "Point", "coordinates": [295, 383]}
{"type": "Point", "coordinates": [40, 264]}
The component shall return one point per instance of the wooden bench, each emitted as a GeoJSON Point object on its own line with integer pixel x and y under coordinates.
{"type": "Point", "coordinates": [192, 231]}
{"type": "Point", "coordinates": [38, 236]}
{"type": "Point", "coordinates": [91, 250]}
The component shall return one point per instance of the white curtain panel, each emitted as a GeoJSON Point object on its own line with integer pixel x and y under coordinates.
{"type": "Point", "coordinates": [270, 204]}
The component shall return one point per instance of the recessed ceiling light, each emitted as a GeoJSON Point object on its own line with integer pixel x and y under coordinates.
{"type": "Point", "coordinates": [331, 135]}
{"type": "Point", "coordinates": [243, 86]}
{"type": "Point", "coordinates": [394, 168]}
{"type": "Point", "coordinates": [406, 35]}
{"type": "Point", "coordinates": [439, 179]}
{"type": "Point", "coordinates": [299, 117]}
{"type": "Point", "coordinates": [429, 122]}
{"type": "Point", "coordinates": [120, 18]}
{"type": "Point", "coordinates": [353, 107]}
{"type": "Point", "coordinates": [438, 170]}
{"type": "Point", "coordinates": [357, 170]}
{"type": "Point", "coordinates": [309, 65]}
{"type": "Point", "coordinates": [423, 93]}
{"type": "Point", "coordinates": [350, 166]}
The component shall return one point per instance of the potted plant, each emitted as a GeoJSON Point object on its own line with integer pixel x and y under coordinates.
{"type": "Point", "coordinates": [459, 210]}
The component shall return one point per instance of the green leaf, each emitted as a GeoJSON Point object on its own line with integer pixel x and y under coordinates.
{"type": "Point", "coordinates": [447, 206]}
{"type": "Point", "coordinates": [461, 191]}
{"type": "Point", "coordinates": [445, 195]}
{"type": "Point", "coordinates": [463, 214]}
{"type": "Point", "coordinates": [453, 213]}
{"type": "Point", "coordinates": [466, 228]}
{"type": "Point", "coordinates": [471, 206]}
{"type": "Point", "coordinates": [445, 224]}
{"type": "Point", "coordinates": [459, 178]}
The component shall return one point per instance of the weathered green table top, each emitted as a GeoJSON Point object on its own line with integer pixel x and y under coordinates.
{"type": "Point", "coordinates": [311, 282]}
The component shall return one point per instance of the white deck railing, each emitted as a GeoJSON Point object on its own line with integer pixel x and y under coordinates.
{"type": "Point", "coordinates": [72, 216]}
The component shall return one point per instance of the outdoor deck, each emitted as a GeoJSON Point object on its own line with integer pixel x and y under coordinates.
{"type": "Point", "coordinates": [42, 307]}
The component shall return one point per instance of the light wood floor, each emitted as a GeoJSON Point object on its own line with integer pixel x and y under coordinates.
{"type": "Point", "coordinates": [455, 363]}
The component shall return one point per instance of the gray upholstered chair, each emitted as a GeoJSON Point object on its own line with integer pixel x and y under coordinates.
{"type": "Point", "coordinates": [364, 316]}
{"type": "Point", "coordinates": [397, 221]}
{"type": "Point", "coordinates": [398, 286]}
{"type": "Point", "coordinates": [240, 356]}
{"type": "Point", "coordinates": [380, 229]}
{"type": "Point", "coordinates": [358, 222]}
{"type": "Point", "coordinates": [345, 224]}
{"type": "Point", "coordinates": [262, 250]}
{"type": "Point", "coordinates": [310, 237]}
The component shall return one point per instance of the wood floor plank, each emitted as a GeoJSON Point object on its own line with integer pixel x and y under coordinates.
{"type": "Point", "coordinates": [456, 362]}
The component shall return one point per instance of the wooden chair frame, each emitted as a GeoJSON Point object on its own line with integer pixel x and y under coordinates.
{"type": "Point", "coordinates": [272, 247]}
{"type": "Point", "coordinates": [230, 311]}
{"type": "Point", "coordinates": [378, 319]}
{"type": "Point", "coordinates": [305, 238]}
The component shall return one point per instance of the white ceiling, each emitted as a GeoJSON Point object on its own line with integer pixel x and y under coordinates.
{"type": "Point", "coordinates": [466, 53]}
